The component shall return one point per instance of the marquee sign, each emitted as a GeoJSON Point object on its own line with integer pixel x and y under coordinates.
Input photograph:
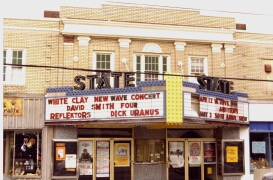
{"type": "Point", "coordinates": [101, 107]}
{"type": "Point", "coordinates": [223, 109]}
{"type": "Point", "coordinates": [215, 108]}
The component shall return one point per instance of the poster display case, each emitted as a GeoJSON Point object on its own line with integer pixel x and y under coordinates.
{"type": "Point", "coordinates": [64, 159]}
{"type": "Point", "coordinates": [231, 152]}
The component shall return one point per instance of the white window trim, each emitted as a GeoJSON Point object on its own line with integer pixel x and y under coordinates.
{"type": "Point", "coordinates": [193, 79]}
{"type": "Point", "coordinates": [9, 67]}
{"type": "Point", "coordinates": [112, 60]}
{"type": "Point", "coordinates": [160, 64]}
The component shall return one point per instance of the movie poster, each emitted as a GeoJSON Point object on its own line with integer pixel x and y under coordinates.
{"type": "Point", "coordinates": [85, 154]}
{"type": "Point", "coordinates": [103, 158]}
{"type": "Point", "coordinates": [194, 154]}
{"type": "Point", "coordinates": [209, 152]}
{"type": "Point", "coordinates": [122, 154]}
{"type": "Point", "coordinates": [176, 154]}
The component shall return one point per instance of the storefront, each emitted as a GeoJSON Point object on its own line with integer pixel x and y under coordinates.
{"type": "Point", "coordinates": [165, 129]}
{"type": "Point", "coordinates": [22, 124]}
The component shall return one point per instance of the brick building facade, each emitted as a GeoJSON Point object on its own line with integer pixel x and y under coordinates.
{"type": "Point", "coordinates": [79, 39]}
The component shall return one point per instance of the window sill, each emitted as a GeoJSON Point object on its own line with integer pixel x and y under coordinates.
{"type": "Point", "coordinates": [26, 176]}
{"type": "Point", "coordinates": [64, 177]}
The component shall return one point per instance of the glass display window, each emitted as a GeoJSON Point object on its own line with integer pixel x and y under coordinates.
{"type": "Point", "coordinates": [25, 153]}
{"type": "Point", "coordinates": [150, 151]}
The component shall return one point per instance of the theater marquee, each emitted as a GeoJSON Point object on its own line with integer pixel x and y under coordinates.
{"type": "Point", "coordinates": [109, 107]}
{"type": "Point", "coordinates": [214, 108]}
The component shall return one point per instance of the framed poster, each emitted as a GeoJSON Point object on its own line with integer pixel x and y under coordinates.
{"type": "Point", "coordinates": [209, 152]}
{"type": "Point", "coordinates": [60, 153]}
{"type": "Point", "coordinates": [194, 153]}
{"type": "Point", "coordinates": [122, 154]}
{"type": "Point", "coordinates": [85, 155]}
{"type": "Point", "coordinates": [176, 154]}
{"type": "Point", "coordinates": [85, 151]}
{"type": "Point", "coordinates": [103, 158]}
{"type": "Point", "coordinates": [233, 157]}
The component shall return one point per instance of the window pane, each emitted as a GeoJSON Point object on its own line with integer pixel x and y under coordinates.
{"type": "Point", "coordinates": [4, 56]}
{"type": "Point", "coordinates": [197, 65]}
{"type": "Point", "coordinates": [17, 57]}
{"type": "Point", "coordinates": [16, 74]}
{"type": "Point", "coordinates": [27, 153]}
{"type": "Point", "coordinates": [145, 148]}
{"type": "Point", "coordinates": [151, 65]}
{"type": "Point", "coordinates": [4, 73]}
{"type": "Point", "coordinates": [164, 63]}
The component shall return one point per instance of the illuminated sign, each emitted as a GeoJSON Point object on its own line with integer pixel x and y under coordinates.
{"type": "Point", "coordinates": [223, 109]}
{"type": "Point", "coordinates": [214, 108]}
{"type": "Point", "coordinates": [115, 106]}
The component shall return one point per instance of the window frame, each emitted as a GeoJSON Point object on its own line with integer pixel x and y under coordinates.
{"type": "Point", "coordinates": [142, 64]}
{"type": "Point", "coordinates": [13, 135]}
{"type": "Point", "coordinates": [205, 65]}
{"type": "Point", "coordinates": [112, 60]}
{"type": "Point", "coordinates": [8, 68]}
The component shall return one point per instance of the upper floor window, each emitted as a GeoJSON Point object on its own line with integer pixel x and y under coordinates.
{"type": "Point", "coordinates": [150, 67]}
{"type": "Point", "coordinates": [104, 61]}
{"type": "Point", "coordinates": [197, 66]}
{"type": "Point", "coordinates": [14, 73]}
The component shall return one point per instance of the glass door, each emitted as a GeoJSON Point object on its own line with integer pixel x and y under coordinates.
{"type": "Point", "coordinates": [176, 158]}
{"type": "Point", "coordinates": [102, 159]}
{"type": "Point", "coordinates": [192, 159]}
{"type": "Point", "coordinates": [122, 160]}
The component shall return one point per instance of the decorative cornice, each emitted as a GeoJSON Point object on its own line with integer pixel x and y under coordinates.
{"type": "Point", "coordinates": [216, 47]}
{"type": "Point", "coordinates": [124, 43]}
{"type": "Point", "coordinates": [179, 46]}
{"type": "Point", "coordinates": [95, 28]}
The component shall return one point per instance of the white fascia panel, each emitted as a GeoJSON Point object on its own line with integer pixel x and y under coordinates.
{"type": "Point", "coordinates": [133, 32]}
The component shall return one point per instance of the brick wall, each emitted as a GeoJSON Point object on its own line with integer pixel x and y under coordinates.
{"type": "Point", "coordinates": [48, 49]}
{"type": "Point", "coordinates": [147, 15]}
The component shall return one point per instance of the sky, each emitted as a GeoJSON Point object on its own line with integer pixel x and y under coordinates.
{"type": "Point", "coordinates": [258, 15]}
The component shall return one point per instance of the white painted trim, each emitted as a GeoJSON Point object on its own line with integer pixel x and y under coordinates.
{"type": "Point", "coordinates": [8, 81]}
{"type": "Point", "coordinates": [174, 34]}
{"type": "Point", "coordinates": [124, 43]}
{"type": "Point", "coordinates": [112, 63]}
{"type": "Point", "coordinates": [145, 26]}
{"type": "Point", "coordinates": [152, 48]}
{"type": "Point", "coordinates": [229, 48]}
{"type": "Point", "coordinates": [205, 61]}
{"type": "Point", "coordinates": [179, 46]}
{"type": "Point", "coordinates": [83, 41]}
{"type": "Point", "coordinates": [216, 48]}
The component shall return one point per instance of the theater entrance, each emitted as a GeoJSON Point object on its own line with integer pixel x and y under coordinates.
{"type": "Point", "coordinates": [192, 159]}
{"type": "Point", "coordinates": [110, 159]}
